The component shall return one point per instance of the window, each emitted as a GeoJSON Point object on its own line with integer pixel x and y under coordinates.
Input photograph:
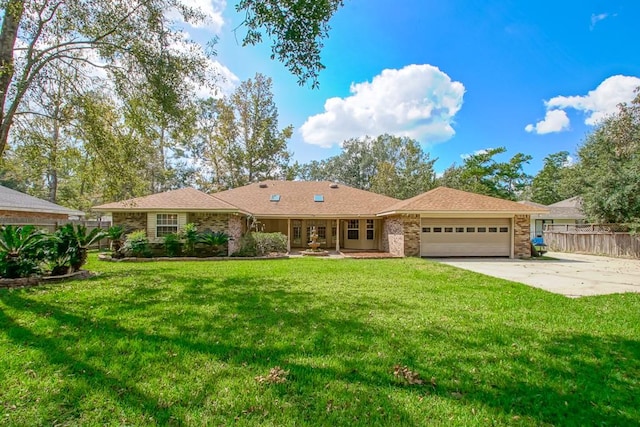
{"type": "Point", "coordinates": [426, 229]}
{"type": "Point", "coordinates": [471, 229]}
{"type": "Point", "coordinates": [459, 229]}
{"type": "Point", "coordinates": [318, 198]}
{"type": "Point", "coordinates": [369, 229]}
{"type": "Point", "coordinates": [322, 232]}
{"type": "Point", "coordinates": [334, 231]}
{"type": "Point", "coordinates": [482, 229]}
{"type": "Point", "coordinates": [275, 198]}
{"type": "Point", "coordinates": [448, 229]}
{"type": "Point", "coordinates": [166, 224]}
{"type": "Point", "coordinates": [493, 229]}
{"type": "Point", "coordinates": [353, 229]}
{"type": "Point", "coordinates": [504, 229]}
{"type": "Point", "coordinates": [437, 229]}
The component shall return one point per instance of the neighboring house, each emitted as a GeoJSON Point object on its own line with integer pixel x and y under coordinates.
{"type": "Point", "coordinates": [565, 212]}
{"type": "Point", "coordinates": [16, 206]}
{"type": "Point", "coordinates": [441, 222]}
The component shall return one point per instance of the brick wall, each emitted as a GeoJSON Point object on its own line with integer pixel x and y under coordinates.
{"type": "Point", "coordinates": [235, 232]}
{"type": "Point", "coordinates": [209, 221]}
{"type": "Point", "coordinates": [42, 215]}
{"type": "Point", "coordinates": [131, 221]}
{"type": "Point", "coordinates": [393, 236]}
{"type": "Point", "coordinates": [521, 233]}
{"type": "Point", "coordinates": [411, 226]}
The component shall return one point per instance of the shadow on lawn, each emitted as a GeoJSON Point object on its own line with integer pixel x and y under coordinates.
{"type": "Point", "coordinates": [242, 334]}
{"type": "Point", "coordinates": [255, 323]}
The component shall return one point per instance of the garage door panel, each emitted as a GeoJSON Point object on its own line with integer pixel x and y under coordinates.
{"type": "Point", "coordinates": [449, 237]}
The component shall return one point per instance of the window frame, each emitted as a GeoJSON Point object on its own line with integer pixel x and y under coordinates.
{"type": "Point", "coordinates": [165, 221]}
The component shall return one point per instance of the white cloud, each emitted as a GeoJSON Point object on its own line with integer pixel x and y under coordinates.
{"type": "Point", "coordinates": [475, 153]}
{"type": "Point", "coordinates": [597, 104]}
{"type": "Point", "coordinates": [212, 10]}
{"type": "Point", "coordinates": [221, 80]}
{"type": "Point", "coordinates": [554, 121]}
{"type": "Point", "coordinates": [418, 101]}
{"type": "Point", "coordinates": [602, 101]}
{"type": "Point", "coordinates": [595, 18]}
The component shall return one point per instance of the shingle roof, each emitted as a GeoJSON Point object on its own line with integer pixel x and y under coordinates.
{"type": "Point", "coordinates": [297, 199]}
{"type": "Point", "coordinates": [178, 200]}
{"type": "Point", "coordinates": [12, 200]}
{"type": "Point", "coordinates": [567, 209]}
{"type": "Point", "coordinates": [443, 199]}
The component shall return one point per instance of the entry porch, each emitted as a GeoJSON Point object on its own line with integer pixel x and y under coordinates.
{"type": "Point", "coordinates": [333, 233]}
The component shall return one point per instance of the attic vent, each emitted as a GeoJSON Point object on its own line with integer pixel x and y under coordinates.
{"type": "Point", "coordinates": [318, 198]}
{"type": "Point", "coordinates": [263, 185]}
{"type": "Point", "coordinates": [275, 198]}
{"type": "Point", "coordinates": [334, 185]}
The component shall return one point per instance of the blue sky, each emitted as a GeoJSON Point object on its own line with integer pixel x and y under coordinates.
{"type": "Point", "coordinates": [458, 76]}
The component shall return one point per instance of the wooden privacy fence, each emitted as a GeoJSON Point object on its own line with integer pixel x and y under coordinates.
{"type": "Point", "coordinates": [598, 239]}
{"type": "Point", "coordinates": [52, 225]}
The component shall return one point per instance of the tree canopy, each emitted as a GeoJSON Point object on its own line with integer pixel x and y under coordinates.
{"type": "Point", "coordinates": [609, 168]}
{"type": "Point", "coordinates": [239, 141]}
{"type": "Point", "coordinates": [390, 165]}
{"type": "Point", "coordinates": [481, 173]}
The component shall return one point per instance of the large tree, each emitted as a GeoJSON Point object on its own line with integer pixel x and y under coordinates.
{"type": "Point", "coordinates": [239, 139]}
{"type": "Point", "coordinates": [137, 38]}
{"type": "Point", "coordinates": [481, 173]}
{"type": "Point", "coordinates": [296, 28]}
{"type": "Point", "coordinates": [556, 180]}
{"type": "Point", "coordinates": [609, 168]}
{"type": "Point", "coordinates": [391, 165]}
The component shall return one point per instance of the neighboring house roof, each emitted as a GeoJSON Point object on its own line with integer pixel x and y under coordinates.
{"type": "Point", "coordinates": [297, 199]}
{"type": "Point", "coordinates": [184, 199]}
{"type": "Point", "coordinates": [12, 200]}
{"type": "Point", "coordinates": [570, 208]}
{"type": "Point", "coordinates": [448, 200]}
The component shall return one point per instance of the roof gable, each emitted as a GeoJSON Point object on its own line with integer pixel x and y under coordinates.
{"type": "Point", "coordinates": [182, 199]}
{"type": "Point", "coordinates": [305, 198]}
{"type": "Point", "coordinates": [12, 200]}
{"type": "Point", "coordinates": [443, 199]}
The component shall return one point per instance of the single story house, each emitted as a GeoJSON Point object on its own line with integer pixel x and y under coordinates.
{"type": "Point", "coordinates": [16, 207]}
{"type": "Point", "coordinates": [440, 222]}
{"type": "Point", "coordinates": [564, 212]}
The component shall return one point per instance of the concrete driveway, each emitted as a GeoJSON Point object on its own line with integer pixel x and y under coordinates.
{"type": "Point", "coordinates": [572, 275]}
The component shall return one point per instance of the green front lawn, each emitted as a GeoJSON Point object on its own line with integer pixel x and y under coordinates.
{"type": "Point", "coordinates": [193, 343]}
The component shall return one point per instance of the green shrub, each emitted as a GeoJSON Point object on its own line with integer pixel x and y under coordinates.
{"type": "Point", "coordinates": [216, 240]}
{"type": "Point", "coordinates": [248, 246]}
{"type": "Point", "coordinates": [22, 250]}
{"type": "Point", "coordinates": [137, 244]}
{"type": "Point", "coordinates": [266, 243]}
{"type": "Point", "coordinates": [190, 235]}
{"type": "Point", "coordinates": [116, 237]}
{"type": "Point", "coordinates": [172, 245]}
{"type": "Point", "coordinates": [75, 242]}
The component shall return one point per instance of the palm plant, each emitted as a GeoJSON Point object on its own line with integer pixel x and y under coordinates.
{"type": "Point", "coordinates": [116, 236]}
{"type": "Point", "coordinates": [75, 242]}
{"type": "Point", "coordinates": [21, 249]}
{"type": "Point", "coordinates": [216, 240]}
{"type": "Point", "coordinates": [190, 235]}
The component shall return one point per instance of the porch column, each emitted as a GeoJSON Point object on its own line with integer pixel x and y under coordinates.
{"type": "Point", "coordinates": [338, 235]}
{"type": "Point", "coordinates": [288, 234]}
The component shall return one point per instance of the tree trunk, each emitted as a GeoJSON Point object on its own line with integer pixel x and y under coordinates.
{"type": "Point", "coordinates": [8, 34]}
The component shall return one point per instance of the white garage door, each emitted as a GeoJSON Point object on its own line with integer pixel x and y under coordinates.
{"type": "Point", "coordinates": [450, 237]}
